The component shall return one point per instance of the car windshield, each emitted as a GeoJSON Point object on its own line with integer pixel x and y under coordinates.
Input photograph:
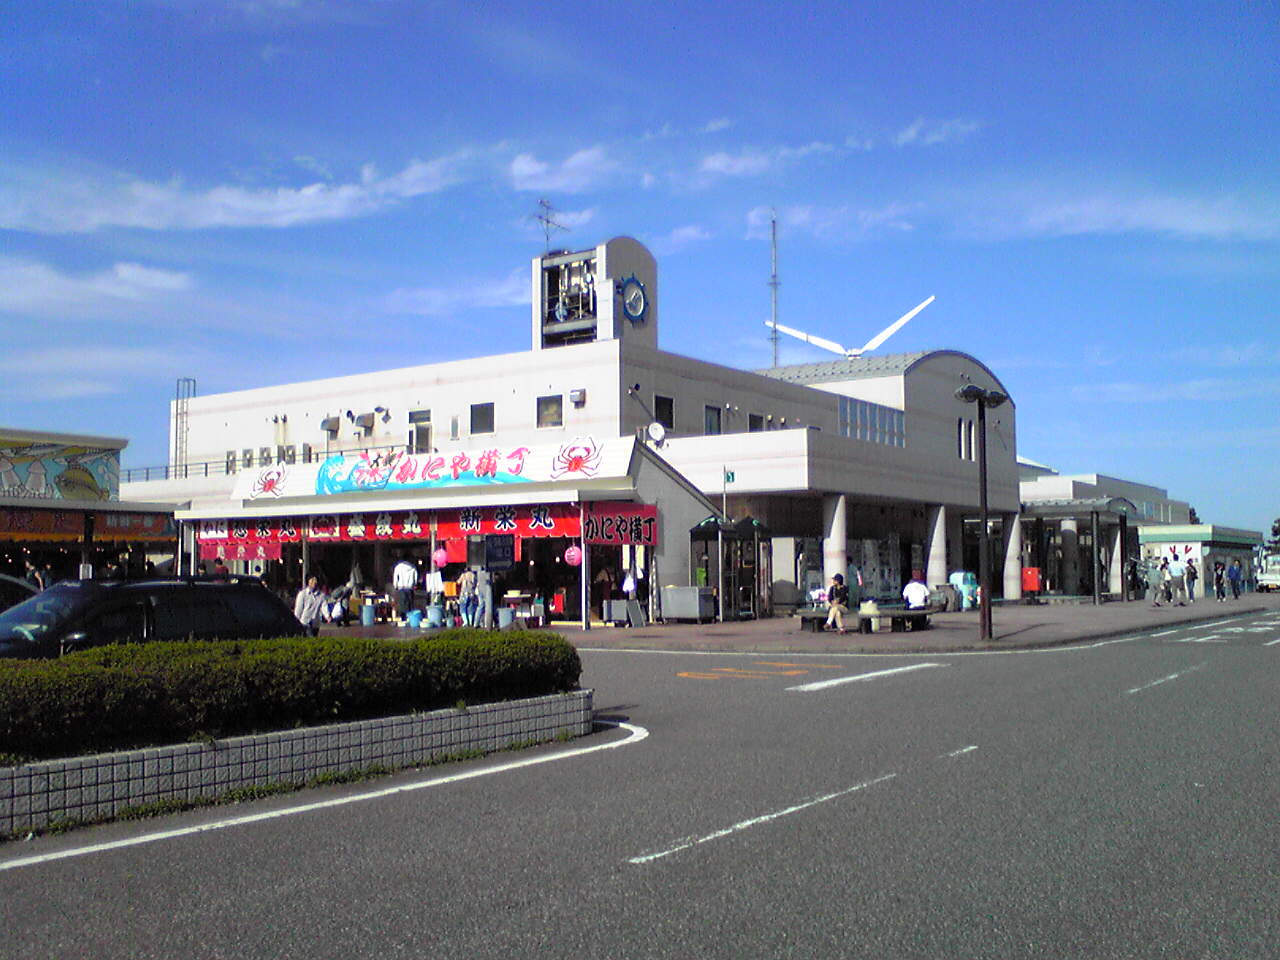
{"type": "Point", "coordinates": [33, 618]}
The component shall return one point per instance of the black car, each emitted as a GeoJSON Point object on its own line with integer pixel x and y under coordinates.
{"type": "Point", "coordinates": [13, 590]}
{"type": "Point", "coordinates": [76, 614]}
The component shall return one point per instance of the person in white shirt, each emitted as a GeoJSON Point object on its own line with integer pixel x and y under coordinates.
{"type": "Point", "coordinates": [308, 605]}
{"type": "Point", "coordinates": [404, 577]}
{"type": "Point", "coordinates": [916, 593]}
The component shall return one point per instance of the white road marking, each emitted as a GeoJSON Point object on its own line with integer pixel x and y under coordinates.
{"type": "Point", "coordinates": [1172, 676]}
{"type": "Point", "coordinates": [1272, 643]}
{"type": "Point", "coordinates": [1211, 638]}
{"type": "Point", "coordinates": [961, 751]}
{"type": "Point", "coordinates": [1165, 633]}
{"type": "Point", "coordinates": [837, 681]}
{"type": "Point", "coordinates": [756, 821]}
{"type": "Point", "coordinates": [1216, 623]}
{"type": "Point", "coordinates": [636, 735]}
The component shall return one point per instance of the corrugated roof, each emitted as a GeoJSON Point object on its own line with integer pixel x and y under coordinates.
{"type": "Point", "coordinates": [849, 368]}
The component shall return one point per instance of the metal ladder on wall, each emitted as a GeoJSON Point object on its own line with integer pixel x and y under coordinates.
{"type": "Point", "coordinates": [185, 390]}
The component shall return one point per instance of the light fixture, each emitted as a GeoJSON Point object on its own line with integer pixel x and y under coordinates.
{"type": "Point", "coordinates": [351, 416]}
{"type": "Point", "coordinates": [985, 399]}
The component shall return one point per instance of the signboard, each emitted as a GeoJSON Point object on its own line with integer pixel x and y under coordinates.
{"type": "Point", "coordinates": [240, 551]}
{"type": "Point", "coordinates": [617, 523]}
{"type": "Point", "coordinates": [57, 471]}
{"type": "Point", "coordinates": [582, 458]}
{"type": "Point", "coordinates": [22, 523]}
{"type": "Point", "coordinates": [499, 551]}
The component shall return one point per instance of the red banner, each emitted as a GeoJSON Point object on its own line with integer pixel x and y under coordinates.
{"type": "Point", "coordinates": [240, 551]}
{"type": "Point", "coordinates": [23, 523]}
{"type": "Point", "coordinates": [618, 523]}
{"type": "Point", "coordinates": [537, 520]}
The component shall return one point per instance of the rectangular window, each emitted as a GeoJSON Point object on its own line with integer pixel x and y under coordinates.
{"type": "Point", "coordinates": [453, 427]}
{"type": "Point", "coordinates": [664, 411]}
{"type": "Point", "coordinates": [482, 418]}
{"type": "Point", "coordinates": [711, 421]}
{"type": "Point", "coordinates": [232, 461]}
{"type": "Point", "coordinates": [551, 411]}
{"type": "Point", "coordinates": [755, 422]}
{"type": "Point", "coordinates": [960, 438]}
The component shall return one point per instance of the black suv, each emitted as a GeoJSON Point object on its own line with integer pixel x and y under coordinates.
{"type": "Point", "coordinates": [76, 614]}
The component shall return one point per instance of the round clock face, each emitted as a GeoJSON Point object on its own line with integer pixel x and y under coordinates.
{"type": "Point", "coordinates": [634, 300]}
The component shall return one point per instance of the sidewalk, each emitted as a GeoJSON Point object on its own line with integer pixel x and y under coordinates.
{"type": "Point", "coordinates": [1015, 626]}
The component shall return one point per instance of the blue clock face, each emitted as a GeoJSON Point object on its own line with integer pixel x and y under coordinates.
{"type": "Point", "coordinates": [635, 302]}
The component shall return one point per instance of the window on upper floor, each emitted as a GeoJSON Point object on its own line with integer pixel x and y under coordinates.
{"type": "Point", "coordinates": [482, 418]}
{"type": "Point", "coordinates": [419, 431]}
{"type": "Point", "coordinates": [664, 411]}
{"type": "Point", "coordinates": [755, 422]}
{"type": "Point", "coordinates": [551, 411]}
{"type": "Point", "coordinates": [711, 420]}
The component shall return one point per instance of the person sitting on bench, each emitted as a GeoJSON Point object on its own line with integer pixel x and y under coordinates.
{"type": "Point", "coordinates": [916, 593]}
{"type": "Point", "coordinates": [837, 602]}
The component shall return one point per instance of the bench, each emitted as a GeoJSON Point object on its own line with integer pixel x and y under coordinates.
{"type": "Point", "coordinates": [812, 620]}
{"type": "Point", "coordinates": [900, 618]}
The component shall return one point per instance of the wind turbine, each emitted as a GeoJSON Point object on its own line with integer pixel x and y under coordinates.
{"type": "Point", "coordinates": [834, 347]}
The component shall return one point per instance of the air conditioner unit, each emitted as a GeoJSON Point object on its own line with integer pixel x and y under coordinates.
{"type": "Point", "coordinates": [330, 424]}
{"type": "Point", "coordinates": [365, 422]}
{"type": "Point", "coordinates": [578, 397]}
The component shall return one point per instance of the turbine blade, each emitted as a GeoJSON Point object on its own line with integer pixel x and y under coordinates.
{"type": "Point", "coordinates": [808, 338]}
{"type": "Point", "coordinates": [893, 328]}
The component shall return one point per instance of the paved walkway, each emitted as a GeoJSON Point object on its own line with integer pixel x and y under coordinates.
{"type": "Point", "coordinates": [1016, 626]}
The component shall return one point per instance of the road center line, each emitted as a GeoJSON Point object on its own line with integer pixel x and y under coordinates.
{"type": "Point", "coordinates": [1172, 676]}
{"type": "Point", "coordinates": [636, 735]}
{"type": "Point", "coordinates": [1165, 633]}
{"type": "Point", "coordinates": [1272, 643]}
{"type": "Point", "coordinates": [960, 752]}
{"type": "Point", "coordinates": [836, 681]}
{"type": "Point", "coordinates": [756, 821]}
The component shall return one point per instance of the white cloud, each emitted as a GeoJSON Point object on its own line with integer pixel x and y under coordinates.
{"type": "Point", "coordinates": [1218, 218]}
{"type": "Point", "coordinates": [832, 223]}
{"type": "Point", "coordinates": [751, 162]}
{"type": "Point", "coordinates": [926, 133]}
{"type": "Point", "coordinates": [67, 373]}
{"type": "Point", "coordinates": [30, 287]}
{"type": "Point", "coordinates": [512, 291]}
{"type": "Point", "coordinates": [82, 204]}
{"type": "Point", "coordinates": [716, 125]}
{"type": "Point", "coordinates": [679, 239]}
{"type": "Point", "coordinates": [580, 172]}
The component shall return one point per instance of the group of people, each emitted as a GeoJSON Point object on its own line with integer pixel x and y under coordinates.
{"type": "Point", "coordinates": [1173, 580]}
{"type": "Point", "coordinates": [915, 595]}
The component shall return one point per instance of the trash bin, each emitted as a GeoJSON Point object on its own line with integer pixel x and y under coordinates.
{"type": "Point", "coordinates": [506, 616]}
{"type": "Point", "coordinates": [415, 619]}
{"type": "Point", "coordinates": [435, 616]}
{"type": "Point", "coordinates": [368, 614]}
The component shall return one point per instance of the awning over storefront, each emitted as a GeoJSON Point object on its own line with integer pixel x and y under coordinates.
{"type": "Point", "coordinates": [1107, 509]}
{"type": "Point", "coordinates": [67, 521]}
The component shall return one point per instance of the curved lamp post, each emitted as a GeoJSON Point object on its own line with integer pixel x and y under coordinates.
{"type": "Point", "coordinates": [985, 399]}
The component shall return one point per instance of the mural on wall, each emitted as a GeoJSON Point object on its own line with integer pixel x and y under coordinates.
{"type": "Point", "coordinates": [55, 471]}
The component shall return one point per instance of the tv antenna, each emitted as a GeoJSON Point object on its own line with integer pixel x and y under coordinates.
{"type": "Point", "coordinates": [773, 281]}
{"type": "Point", "coordinates": [546, 217]}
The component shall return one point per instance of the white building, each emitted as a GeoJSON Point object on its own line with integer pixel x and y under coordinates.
{"type": "Point", "coordinates": [869, 461]}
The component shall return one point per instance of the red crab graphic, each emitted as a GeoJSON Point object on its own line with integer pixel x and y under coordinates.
{"type": "Point", "coordinates": [582, 455]}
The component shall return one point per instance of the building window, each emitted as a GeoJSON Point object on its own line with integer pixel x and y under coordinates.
{"type": "Point", "coordinates": [755, 422]}
{"type": "Point", "coordinates": [664, 411]}
{"type": "Point", "coordinates": [482, 418]}
{"type": "Point", "coordinates": [551, 411]}
{"type": "Point", "coordinates": [711, 421]}
{"type": "Point", "coordinates": [969, 442]}
{"type": "Point", "coordinates": [419, 431]}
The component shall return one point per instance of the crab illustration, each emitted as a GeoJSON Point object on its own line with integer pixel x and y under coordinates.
{"type": "Point", "coordinates": [270, 482]}
{"type": "Point", "coordinates": [580, 455]}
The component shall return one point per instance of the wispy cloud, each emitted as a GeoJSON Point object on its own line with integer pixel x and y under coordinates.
{"type": "Point", "coordinates": [842, 222]}
{"type": "Point", "coordinates": [37, 289]}
{"type": "Point", "coordinates": [579, 172]}
{"type": "Point", "coordinates": [716, 125]}
{"type": "Point", "coordinates": [79, 204]}
{"type": "Point", "coordinates": [511, 291]}
{"type": "Point", "coordinates": [1199, 390]}
{"type": "Point", "coordinates": [1111, 213]}
{"type": "Point", "coordinates": [751, 162]}
{"type": "Point", "coordinates": [680, 239]}
{"type": "Point", "coordinates": [67, 373]}
{"type": "Point", "coordinates": [931, 133]}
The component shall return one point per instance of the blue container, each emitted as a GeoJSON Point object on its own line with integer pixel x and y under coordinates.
{"type": "Point", "coordinates": [368, 614]}
{"type": "Point", "coordinates": [435, 616]}
{"type": "Point", "coordinates": [505, 617]}
{"type": "Point", "coordinates": [415, 618]}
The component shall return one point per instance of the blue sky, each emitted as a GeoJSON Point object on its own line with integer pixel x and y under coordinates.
{"type": "Point", "coordinates": [266, 191]}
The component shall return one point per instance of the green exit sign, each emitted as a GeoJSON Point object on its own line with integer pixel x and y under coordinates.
{"type": "Point", "coordinates": [729, 476]}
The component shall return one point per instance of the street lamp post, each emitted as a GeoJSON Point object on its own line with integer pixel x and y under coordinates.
{"type": "Point", "coordinates": [985, 399]}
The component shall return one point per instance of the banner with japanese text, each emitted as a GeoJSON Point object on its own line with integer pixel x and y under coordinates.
{"type": "Point", "coordinates": [618, 523]}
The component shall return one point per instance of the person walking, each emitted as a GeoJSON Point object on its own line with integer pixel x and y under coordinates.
{"type": "Point", "coordinates": [1155, 587]}
{"type": "Point", "coordinates": [1220, 580]}
{"type": "Point", "coordinates": [1192, 576]}
{"type": "Point", "coordinates": [1166, 581]}
{"type": "Point", "coordinates": [1235, 573]}
{"type": "Point", "coordinates": [467, 598]}
{"type": "Point", "coordinates": [309, 603]}
{"type": "Point", "coordinates": [403, 579]}
{"type": "Point", "coordinates": [837, 602]}
{"type": "Point", "coordinates": [34, 576]}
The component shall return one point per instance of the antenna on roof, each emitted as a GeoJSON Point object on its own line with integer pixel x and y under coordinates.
{"type": "Point", "coordinates": [773, 280]}
{"type": "Point", "coordinates": [547, 218]}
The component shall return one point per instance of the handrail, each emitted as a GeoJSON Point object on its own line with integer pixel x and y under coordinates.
{"type": "Point", "coordinates": [218, 468]}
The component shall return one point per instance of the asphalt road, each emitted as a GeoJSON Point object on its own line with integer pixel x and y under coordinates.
{"type": "Point", "coordinates": [1108, 800]}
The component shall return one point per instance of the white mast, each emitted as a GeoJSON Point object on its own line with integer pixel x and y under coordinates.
{"type": "Point", "coordinates": [773, 281]}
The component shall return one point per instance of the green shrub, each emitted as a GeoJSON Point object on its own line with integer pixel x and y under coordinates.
{"type": "Point", "coordinates": [130, 695]}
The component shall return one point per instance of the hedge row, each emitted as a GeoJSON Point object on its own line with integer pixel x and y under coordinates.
{"type": "Point", "coordinates": [120, 697]}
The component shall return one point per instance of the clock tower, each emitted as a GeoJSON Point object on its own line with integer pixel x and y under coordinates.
{"type": "Point", "coordinates": [609, 292]}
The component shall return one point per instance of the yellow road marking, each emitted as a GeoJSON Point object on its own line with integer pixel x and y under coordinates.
{"type": "Point", "coordinates": [807, 666]}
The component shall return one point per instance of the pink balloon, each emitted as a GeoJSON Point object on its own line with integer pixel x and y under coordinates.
{"type": "Point", "coordinates": [573, 556]}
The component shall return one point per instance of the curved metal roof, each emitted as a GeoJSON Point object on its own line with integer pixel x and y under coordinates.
{"type": "Point", "coordinates": [864, 368]}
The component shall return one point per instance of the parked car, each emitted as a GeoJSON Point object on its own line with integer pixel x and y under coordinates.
{"type": "Point", "coordinates": [77, 614]}
{"type": "Point", "coordinates": [13, 590]}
